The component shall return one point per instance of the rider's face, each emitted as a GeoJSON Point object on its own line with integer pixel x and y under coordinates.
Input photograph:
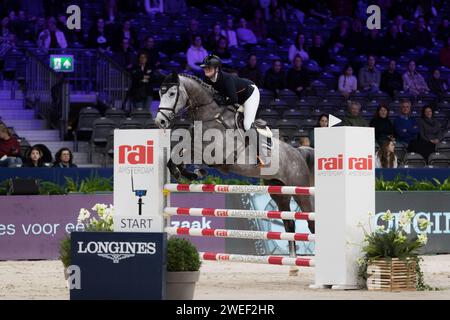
{"type": "Point", "coordinates": [209, 72]}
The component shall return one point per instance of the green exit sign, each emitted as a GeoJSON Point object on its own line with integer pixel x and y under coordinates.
{"type": "Point", "coordinates": [62, 63]}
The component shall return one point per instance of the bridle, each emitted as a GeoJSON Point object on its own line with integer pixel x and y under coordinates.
{"type": "Point", "coordinates": [171, 114]}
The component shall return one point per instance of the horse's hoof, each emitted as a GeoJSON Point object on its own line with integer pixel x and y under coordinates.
{"type": "Point", "coordinates": [293, 272]}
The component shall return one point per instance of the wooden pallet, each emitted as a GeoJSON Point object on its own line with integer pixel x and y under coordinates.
{"type": "Point", "coordinates": [394, 275]}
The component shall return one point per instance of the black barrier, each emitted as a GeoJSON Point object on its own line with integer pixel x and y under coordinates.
{"type": "Point", "coordinates": [118, 265]}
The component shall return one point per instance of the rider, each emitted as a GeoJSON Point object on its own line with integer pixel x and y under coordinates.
{"type": "Point", "coordinates": [236, 91]}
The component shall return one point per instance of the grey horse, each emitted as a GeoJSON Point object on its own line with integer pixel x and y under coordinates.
{"type": "Point", "coordinates": [186, 93]}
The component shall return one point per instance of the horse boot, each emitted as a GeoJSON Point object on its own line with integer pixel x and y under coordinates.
{"type": "Point", "coordinates": [293, 270]}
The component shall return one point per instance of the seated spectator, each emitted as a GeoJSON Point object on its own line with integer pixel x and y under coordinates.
{"type": "Point", "coordinates": [437, 85]}
{"type": "Point", "coordinates": [399, 22]}
{"type": "Point", "coordinates": [373, 43]}
{"type": "Point", "coordinates": [405, 127]}
{"type": "Point", "coordinates": [251, 71]}
{"type": "Point", "coordinates": [245, 35]}
{"type": "Point", "coordinates": [391, 80]}
{"type": "Point", "coordinates": [430, 133]}
{"type": "Point", "coordinates": [192, 31]}
{"type": "Point", "coordinates": [152, 53]}
{"type": "Point", "coordinates": [99, 37]}
{"type": "Point", "coordinates": [421, 35]}
{"type": "Point", "coordinates": [278, 28]}
{"type": "Point", "coordinates": [141, 84]}
{"type": "Point", "coordinates": [222, 50]}
{"type": "Point", "coordinates": [444, 54]}
{"type": "Point", "coordinates": [298, 48]}
{"type": "Point", "coordinates": [64, 159]}
{"type": "Point", "coordinates": [318, 52]}
{"type": "Point", "coordinates": [52, 38]}
{"type": "Point", "coordinates": [258, 25]}
{"type": "Point", "coordinates": [230, 34]}
{"type": "Point", "coordinates": [275, 78]}
{"type": "Point", "coordinates": [347, 83]}
{"type": "Point", "coordinates": [369, 76]}
{"type": "Point", "coordinates": [319, 10]}
{"type": "Point", "coordinates": [385, 157]}
{"type": "Point", "coordinates": [357, 39]}
{"type": "Point", "coordinates": [9, 148]}
{"type": "Point", "coordinates": [214, 37]}
{"type": "Point", "coordinates": [413, 82]}
{"type": "Point", "coordinates": [34, 158]}
{"type": "Point", "coordinates": [394, 42]}
{"type": "Point", "coordinates": [127, 32]}
{"type": "Point", "coordinates": [297, 78]}
{"type": "Point", "coordinates": [383, 126]}
{"type": "Point", "coordinates": [322, 122]}
{"type": "Point", "coordinates": [196, 54]}
{"type": "Point", "coordinates": [340, 37]}
{"type": "Point", "coordinates": [125, 56]}
{"type": "Point", "coordinates": [304, 142]}
{"type": "Point", "coordinates": [353, 117]}
{"type": "Point", "coordinates": [443, 31]}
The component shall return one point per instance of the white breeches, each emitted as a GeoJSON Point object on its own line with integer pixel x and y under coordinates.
{"type": "Point", "coordinates": [250, 108]}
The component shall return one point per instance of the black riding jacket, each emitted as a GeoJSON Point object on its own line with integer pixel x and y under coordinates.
{"type": "Point", "coordinates": [232, 88]}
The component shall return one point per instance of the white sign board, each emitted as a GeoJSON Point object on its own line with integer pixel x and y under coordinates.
{"type": "Point", "coordinates": [138, 177]}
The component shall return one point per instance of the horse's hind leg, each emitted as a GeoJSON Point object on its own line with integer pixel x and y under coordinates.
{"type": "Point", "coordinates": [305, 204]}
{"type": "Point", "coordinates": [283, 204]}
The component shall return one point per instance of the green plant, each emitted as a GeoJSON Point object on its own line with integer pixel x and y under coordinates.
{"type": "Point", "coordinates": [50, 188]}
{"type": "Point", "coordinates": [394, 242]}
{"type": "Point", "coordinates": [182, 255]}
{"type": "Point", "coordinates": [89, 185]}
{"type": "Point", "coordinates": [104, 223]}
{"type": "Point", "coordinates": [4, 186]}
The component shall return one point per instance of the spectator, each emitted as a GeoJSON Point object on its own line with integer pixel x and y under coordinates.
{"type": "Point", "coordinates": [230, 34]}
{"type": "Point", "coordinates": [374, 43]}
{"type": "Point", "coordinates": [272, 9]}
{"type": "Point", "coordinates": [399, 21]}
{"type": "Point", "coordinates": [430, 133]}
{"type": "Point", "coordinates": [258, 25]}
{"type": "Point", "coordinates": [405, 127]}
{"type": "Point", "coordinates": [298, 48]}
{"type": "Point", "coordinates": [391, 80]}
{"type": "Point", "coordinates": [196, 54]}
{"type": "Point", "coordinates": [319, 10]}
{"type": "Point", "coordinates": [214, 37]}
{"type": "Point", "coordinates": [34, 158]}
{"type": "Point", "coordinates": [125, 56]}
{"type": "Point", "coordinates": [413, 82]}
{"type": "Point", "coordinates": [222, 51]}
{"type": "Point", "coordinates": [192, 31]}
{"type": "Point", "coordinates": [322, 122]}
{"type": "Point", "coordinates": [347, 82]}
{"type": "Point", "coordinates": [357, 38]}
{"type": "Point", "coordinates": [4, 29]}
{"type": "Point", "coordinates": [8, 44]}
{"type": "Point", "coordinates": [245, 35]}
{"type": "Point", "coordinates": [278, 27]}
{"type": "Point", "coordinates": [9, 148]}
{"type": "Point", "coordinates": [437, 85]}
{"type": "Point", "coordinates": [318, 52]}
{"type": "Point", "coordinates": [369, 76]}
{"type": "Point", "coordinates": [151, 52]}
{"type": "Point", "coordinates": [383, 126]}
{"type": "Point", "coordinates": [444, 54]}
{"type": "Point", "coordinates": [275, 78]}
{"type": "Point", "coordinates": [340, 37]}
{"type": "Point", "coordinates": [421, 35]}
{"type": "Point", "coordinates": [99, 37]}
{"type": "Point", "coordinates": [64, 159]}
{"type": "Point", "coordinates": [111, 10]}
{"type": "Point", "coordinates": [252, 71]}
{"type": "Point", "coordinates": [141, 86]}
{"type": "Point", "coordinates": [39, 26]}
{"type": "Point", "coordinates": [51, 37]}
{"type": "Point", "coordinates": [443, 31]}
{"type": "Point", "coordinates": [394, 42]}
{"type": "Point", "coordinates": [297, 77]}
{"type": "Point", "coordinates": [304, 142]}
{"type": "Point", "coordinates": [353, 117]}
{"type": "Point", "coordinates": [385, 157]}
{"type": "Point", "coordinates": [127, 32]}
{"type": "Point", "coordinates": [425, 8]}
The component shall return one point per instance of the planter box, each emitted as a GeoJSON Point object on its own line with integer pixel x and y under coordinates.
{"type": "Point", "coordinates": [391, 275]}
{"type": "Point", "coordinates": [181, 285]}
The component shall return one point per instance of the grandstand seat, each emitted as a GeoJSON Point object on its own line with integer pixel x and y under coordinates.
{"type": "Point", "coordinates": [293, 114]}
{"type": "Point", "coordinates": [279, 105]}
{"type": "Point", "coordinates": [307, 123]}
{"type": "Point", "coordinates": [319, 88]}
{"type": "Point", "coordinates": [427, 98]}
{"type": "Point", "coordinates": [400, 152]}
{"type": "Point", "coordinates": [102, 128]}
{"type": "Point", "coordinates": [288, 96]}
{"type": "Point", "coordinates": [300, 133]}
{"type": "Point", "coordinates": [141, 114]}
{"type": "Point", "coordinates": [414, 160]}
{"type": "Point", "coordinates": [149, 124]}
{"type": "Point", "coordinates": [85, 125]}
{"type": "Point", "coordinates": [402, 95]}
{"type": "Point", "coordinates": [439, 160]}
{"type": "Point", "coordinates": [287, 128]}
{"type": "Point", "coordinates": [446, 135]}
{"type": "Point", "coordinates": [131, 123]}
{"type": "Point", "coordinates": [443, 148]}
{"type": "Point", "coordinates": [183, 123]}
{"type": "Point", "coordinates": [116, 115]}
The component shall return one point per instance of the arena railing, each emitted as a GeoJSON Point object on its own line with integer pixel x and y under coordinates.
{"type": "Point", "coordinates": [47, 92]}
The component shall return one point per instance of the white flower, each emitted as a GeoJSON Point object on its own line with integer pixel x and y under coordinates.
{"type": "Point", "coordinates": [404, 219]}
{"type": "Point", "coordinates": [84, 215]}
{"type": "Point", "coordinates": [400, 238]}
{"type": "Point", "coordinates": [100, 206]}
{"type": "Point", "coordinates": [422, 238]}
{"type": "Point", "coordinates": [387, 216]}
{"type": "Point", "coordinates": [360, 261]}
{"type": "Point", "coordinates": [380, 229]}
{"type": "Point", "coordinates": [423, 223]}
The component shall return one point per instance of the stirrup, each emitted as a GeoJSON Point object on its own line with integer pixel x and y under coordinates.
{"type": "Point", "coordinates": [261, 163]}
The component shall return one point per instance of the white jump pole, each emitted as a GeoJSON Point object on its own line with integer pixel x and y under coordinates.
{"type": "Point", "coordinates": [345, 194]}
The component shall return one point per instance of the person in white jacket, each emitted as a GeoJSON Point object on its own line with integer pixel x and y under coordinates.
{"type": "Point", "coordinates": [196, 53]}
{"type": "Point", "coordinates": [51, 37]}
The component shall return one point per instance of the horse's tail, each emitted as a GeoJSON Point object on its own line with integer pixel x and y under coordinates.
{"type": "Point", "coordinates": [308, 154]}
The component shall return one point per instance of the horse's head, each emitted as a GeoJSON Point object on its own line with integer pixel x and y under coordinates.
{"type": "Point", "coordinates": [173, 99]}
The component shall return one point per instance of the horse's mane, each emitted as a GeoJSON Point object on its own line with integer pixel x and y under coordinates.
{"type": "Point", "coordinates": [199, 81]}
